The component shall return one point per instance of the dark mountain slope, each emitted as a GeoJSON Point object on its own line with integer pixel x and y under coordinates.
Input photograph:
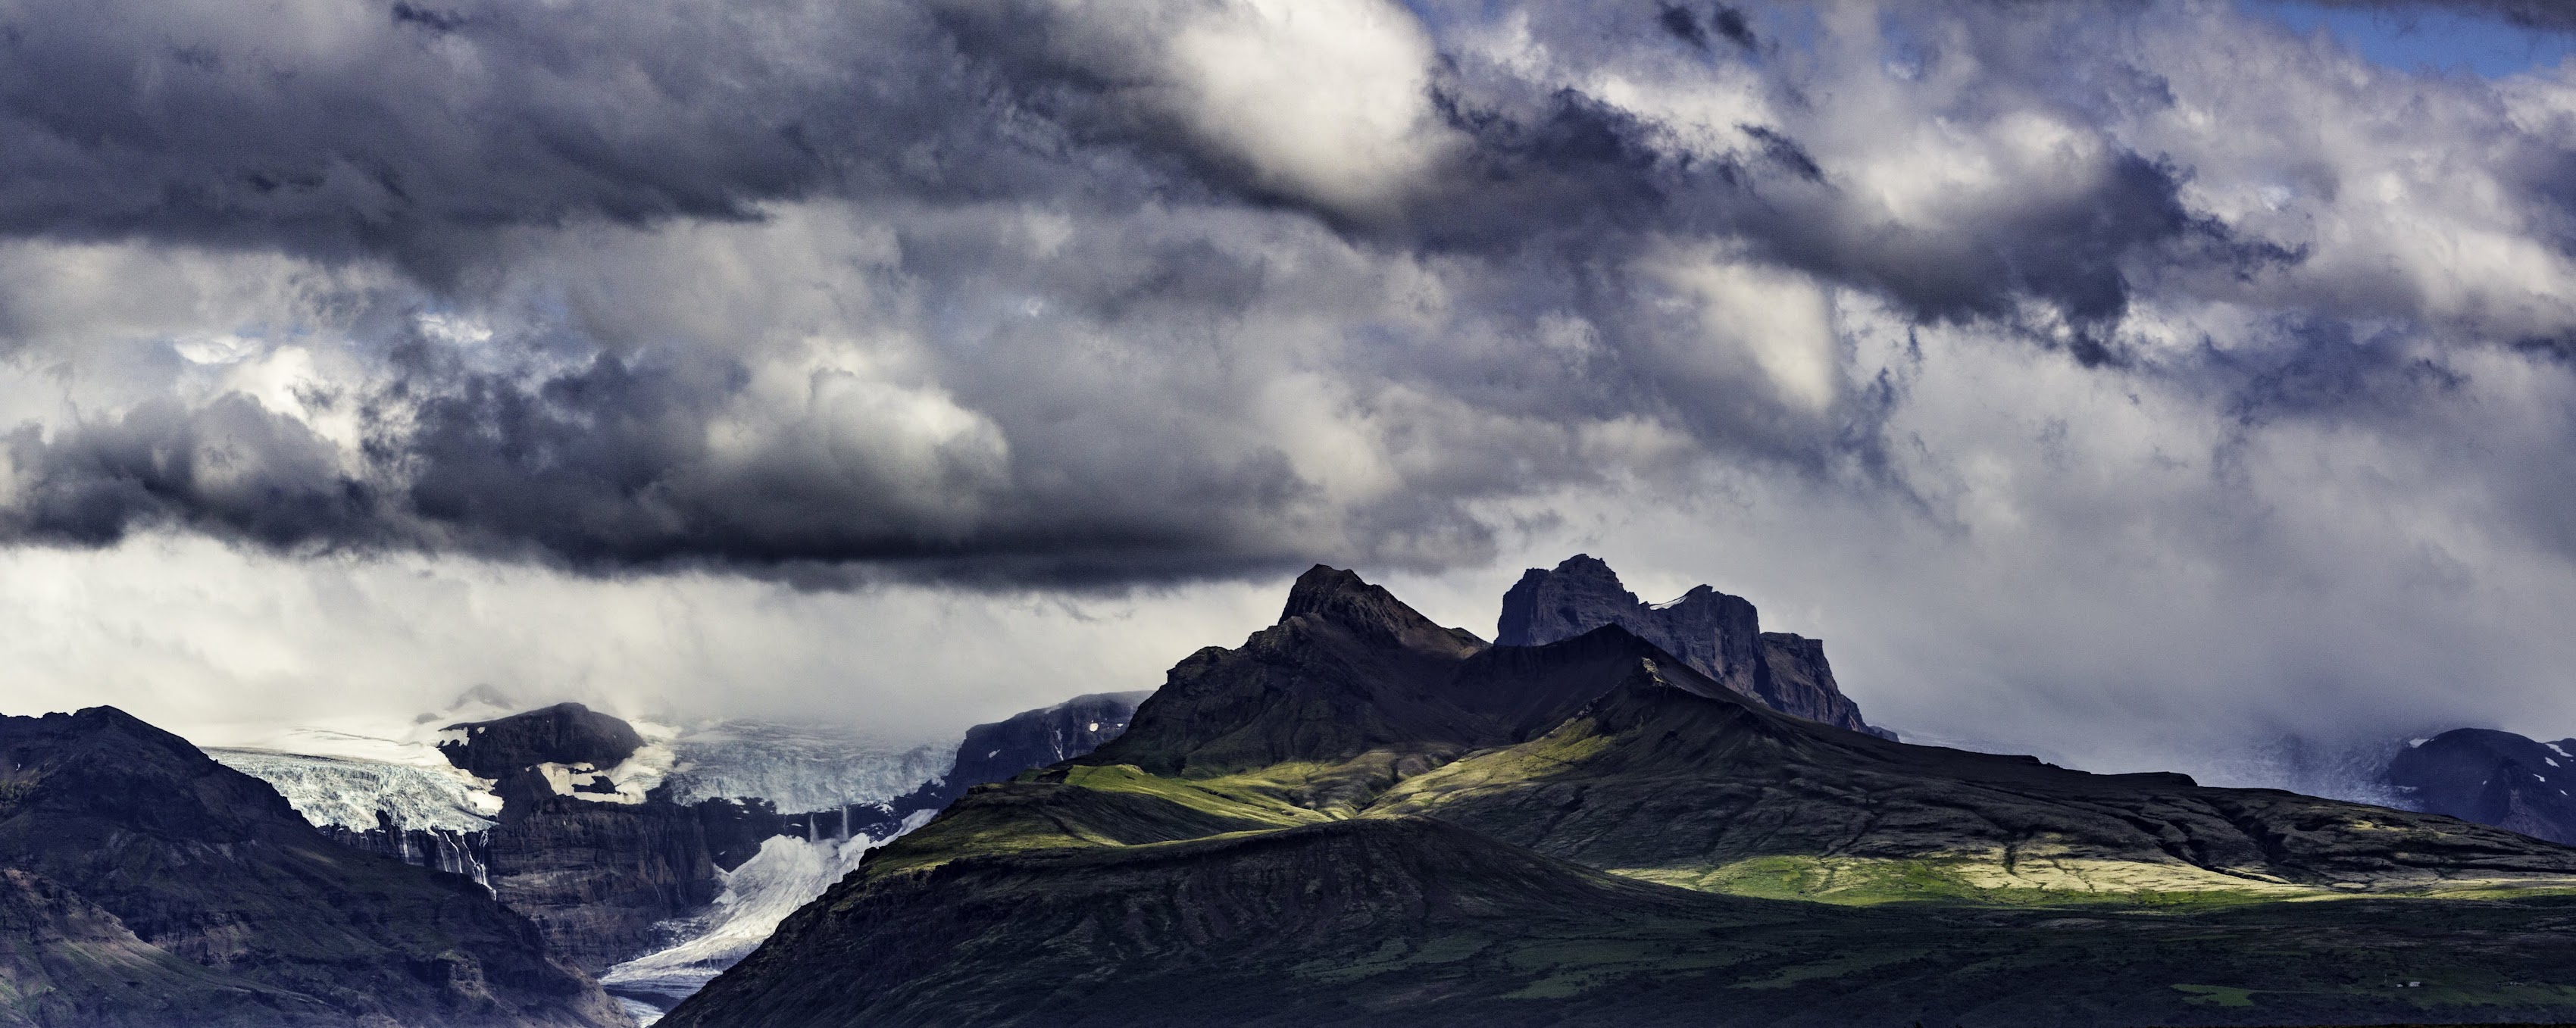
{"type": "Point", "coordinates": [2494, 778]}
{"type": "Point", "coordinates": [64, 961]}
{"type": "Point", "coordinates": [121, 829]}
{"type": "Point", "coordinates": [1372, 870]}
{"type": "Point", "coordinates": [1371, 921]}
{"type": "Point", "coordinates": [1708, 791]}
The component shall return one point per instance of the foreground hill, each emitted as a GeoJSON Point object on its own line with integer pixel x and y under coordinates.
{"type": "Point", "coordinates": [1360, 816]}
{"type": "Point", "coordinates": [147, 885]}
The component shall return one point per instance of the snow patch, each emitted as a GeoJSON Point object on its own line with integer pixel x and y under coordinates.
{"type": "Point", "coordinates": [2561, 751]}
{"type": "Point", "coordinates": [2414, 743]}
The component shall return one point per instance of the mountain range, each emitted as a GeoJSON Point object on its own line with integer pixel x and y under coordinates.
{"type": "Point", "coordinates": [1359, 816]}
{"type": "Point", "coordinates": [149, 885]}
{"type": "Point", "coordinates": [1620, 814]}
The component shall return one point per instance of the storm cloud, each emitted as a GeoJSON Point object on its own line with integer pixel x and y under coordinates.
{"type": "Point", "coordinates": [1993, 338]}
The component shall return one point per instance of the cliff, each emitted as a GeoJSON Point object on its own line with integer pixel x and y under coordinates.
{"type": "Point", "coordinates": [1719, 635]}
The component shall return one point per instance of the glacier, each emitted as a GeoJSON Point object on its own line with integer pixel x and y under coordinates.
{"type": "Point", "coordinates": [786, 874]}
{"type": "Point", "coordinates": [800, 767]}
{"type": "Point", "coordinates": [351, 793]}
{"type": "Point", "coordinates": [431, 816]}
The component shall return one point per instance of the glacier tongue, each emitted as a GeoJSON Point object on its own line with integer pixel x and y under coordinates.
{"type": "Point", "coordinates": [786, 874]}
{"type": "Point", "coordinates": [349, 793]}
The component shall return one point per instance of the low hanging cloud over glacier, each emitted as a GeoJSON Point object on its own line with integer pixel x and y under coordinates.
{"type": "Point", "coordinates": [2155, 363]}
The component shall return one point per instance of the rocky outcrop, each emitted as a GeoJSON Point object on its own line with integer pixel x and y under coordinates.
{"type": "Point", "coordinates": [597, 878]}
{"type": "Point", "coordinates": [2492, 778]}
{"type": "Point", "coordinates": [566, 733]}
{"type": "Point", "coordinates": [152, 886]}
{"type": "Point", "coordinates": [1719, 635]}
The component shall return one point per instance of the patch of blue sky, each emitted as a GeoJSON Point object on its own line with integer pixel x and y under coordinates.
{"type": "Point", "coordinates": [2427, 38]}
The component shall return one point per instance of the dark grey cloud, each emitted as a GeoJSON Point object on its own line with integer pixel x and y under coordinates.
{"type": "Point", "coordinates": [1066, 292]}
{"type": "Point", "coordinates": [2538, 14]}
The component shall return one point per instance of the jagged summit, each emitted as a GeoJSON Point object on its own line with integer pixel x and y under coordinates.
{"type": "Point", "coordinates": [1348, 670]}
{"type": "Point", "coordinates": [1341, 597]}
{"type": "Point", "coordinates": [1718, 634]}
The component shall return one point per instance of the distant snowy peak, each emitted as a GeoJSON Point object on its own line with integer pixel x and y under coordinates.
{"type": "Point", "coordinates": [350, 793]}
{"type": "Point", "coordinates": [2495, 778]}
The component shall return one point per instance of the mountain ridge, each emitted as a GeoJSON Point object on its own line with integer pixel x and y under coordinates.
{"type": "Point", "coordinates": [121, 831]}
{"type": "Point", "coordinates": [1751, 850]}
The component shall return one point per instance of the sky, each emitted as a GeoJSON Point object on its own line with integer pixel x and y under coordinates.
{"type": "Point", "coordinates": [2138, 384]}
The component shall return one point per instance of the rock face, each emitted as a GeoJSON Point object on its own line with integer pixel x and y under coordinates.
{"type": "Point", "coordinates": [2493, 778]}
{"type": "Point", "coordinates": [1719, 635]}
{"type": "Point", "coordinates": [594, 863]}
{"type": "Point", "coordinates": [149, 885]}
{"type": "Point", "coordinates": [1358, 817]}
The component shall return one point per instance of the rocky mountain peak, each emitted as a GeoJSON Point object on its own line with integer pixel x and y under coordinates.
{"type": "Point", "coordinates": [1339, 597]}
{"type": "Point", "coordinates": [2493, 777]}
{"type": "Point", "coordinates": [566, 733]}
{"type": "Point", "coordinates": [1716, 634]}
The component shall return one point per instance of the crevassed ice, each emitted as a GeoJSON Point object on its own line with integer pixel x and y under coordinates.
{"type": "Point", "coordinates": [786, 874]}
{"type": "Point", "coordinates": [801, 767]}
{"type": "Point", "coordinates": [348, 792]}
